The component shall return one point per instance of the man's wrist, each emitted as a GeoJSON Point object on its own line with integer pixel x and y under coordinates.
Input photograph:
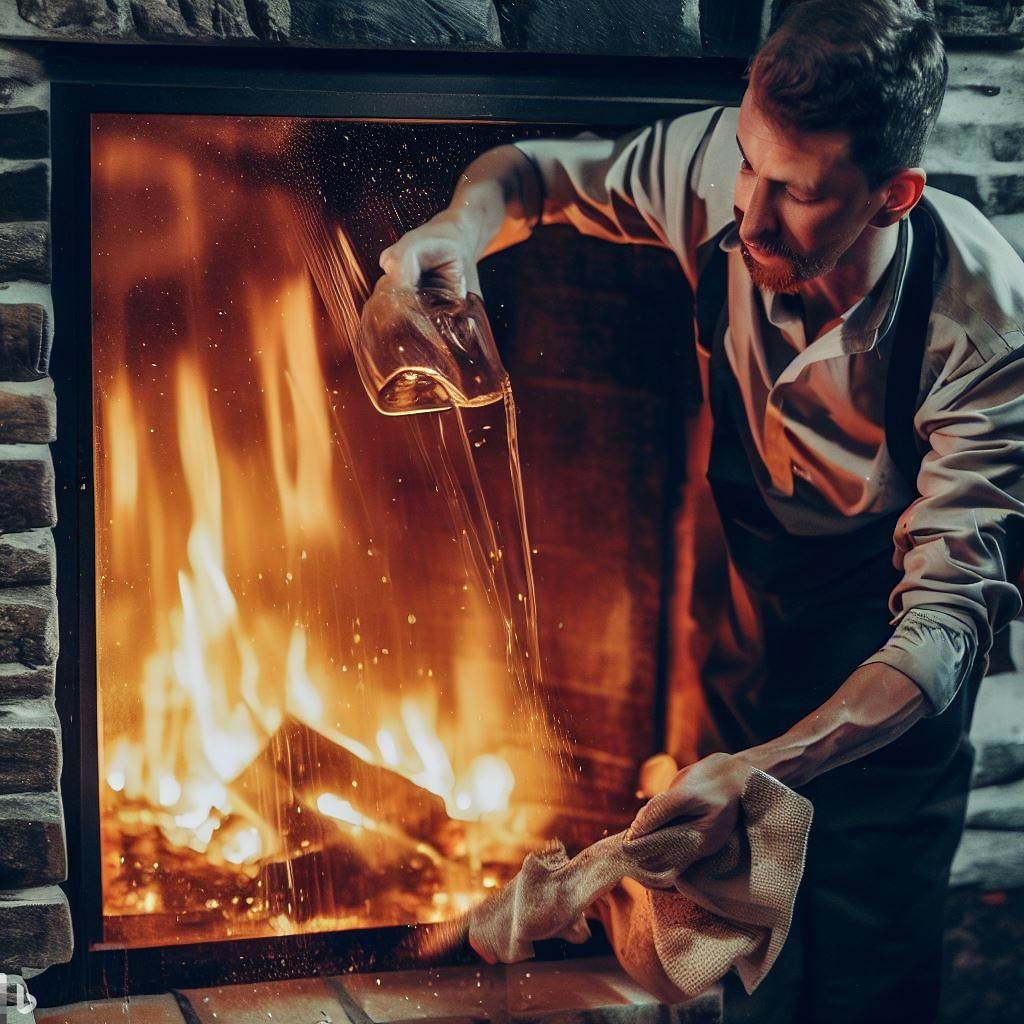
{"type": "Point", "coordinates": [785, 759]}
{"type": "Point", "coordinates": [871, 709]}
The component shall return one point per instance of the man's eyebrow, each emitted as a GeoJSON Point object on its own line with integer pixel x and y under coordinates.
{"type": "Point", "coordinates": [804, 186]}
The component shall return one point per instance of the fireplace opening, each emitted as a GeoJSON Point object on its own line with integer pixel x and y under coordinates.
{"type": "Point", "coordinates": [319, 704]}
{"type": "Point", "coordinates": [309, 716]}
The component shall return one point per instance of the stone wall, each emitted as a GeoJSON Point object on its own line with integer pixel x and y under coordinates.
{"type": "Point", "coordinates": [35, 922]}
{"type": "Point", "coordinates": [679, 28]}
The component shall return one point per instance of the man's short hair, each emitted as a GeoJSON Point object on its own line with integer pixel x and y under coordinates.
{"type": "Point", "coordinates": [873, 68]}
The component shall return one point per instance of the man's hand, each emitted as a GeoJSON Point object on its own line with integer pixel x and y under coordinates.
{"type": "Point", "coordinates": [704, 796]}
{"type": "Point", "coordinates": [496, 204]}
{"type": "Point", "coordinates": [438, 254]}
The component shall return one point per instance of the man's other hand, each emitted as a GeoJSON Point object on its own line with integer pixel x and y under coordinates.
{"type": "Point", "coordinates": [704, 797]}
{"type": "Point", "coordinates": [437, 254]}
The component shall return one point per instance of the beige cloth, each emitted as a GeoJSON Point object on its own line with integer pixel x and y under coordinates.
{"type": "Point", "coordinates": [677, 919]}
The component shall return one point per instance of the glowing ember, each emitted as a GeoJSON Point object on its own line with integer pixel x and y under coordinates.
{"type": "Point", "coordinates": [341, 810]}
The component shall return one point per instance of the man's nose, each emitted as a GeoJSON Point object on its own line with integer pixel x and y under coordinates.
{"type": "Point", "coordinates": [759, 217]}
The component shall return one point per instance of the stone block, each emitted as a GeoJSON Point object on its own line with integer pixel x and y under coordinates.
{"type": "Point", "coordinates": [307, 1000]}
{"type": "Point", "coordinates": [22, 79]}
{"type": "Point", "coordinates": [28, 625]}
{"type": "Point", "coordinates": [24, 192]}
{"type": "Point", "coordinates": [25, 251]}
{"type": "Point", "coordinates": [28, 412]}
{"type": "Point", "coordinates": [161, 1009]}
{"type": "Point", "coordinates": [211, 19]}
{"type": "Point", "coordinates": [972, 19]}
{"type": "Point", "coordinates": [22, 682]}
{"type": "Point", "coordinates": [634, 27]}
{"type": "Point", "coordinates": [30, 751]}
{"type": "Point", "coordinates": [24, 133]}
{"type": "Point", "coordinates": [33, 850]}
{"type": "Point", "coordinates": [414, 24]}
{"type": "Point", "coordinates": [26, 558]}
{"type": "Point", "coordinates": [271, 20]}
{"type": "Point", "coordinates": [36, 929]}
{"type": "Point", "coordinates": [24, 344]}
{"type": "Point", "coordinates": [1000, 142]}
{"type": "Point", "coordinates": [88, 19]}
{"type": "Point", "coordinates": [985, 88]}
{"type": "Point", "coordinates": [156, 20]}
{"type": "Point", "coordinates": [997, 731]}
{"type": "Point", "coordinates": [989, 858]}
{"type": "Point", "coordinates": [27, 497]}
{"type": "Point", "coordinates": [997, 807]}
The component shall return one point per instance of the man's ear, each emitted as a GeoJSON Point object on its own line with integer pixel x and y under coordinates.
{"type": "Point", "coordinates": [902, 193]}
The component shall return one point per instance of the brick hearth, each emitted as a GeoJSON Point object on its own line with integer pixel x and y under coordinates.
{"type": "Point", "coordinates": [581, 992]}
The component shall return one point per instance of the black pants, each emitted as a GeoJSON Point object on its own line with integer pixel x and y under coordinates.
{"type": "Point", "coordinates": [866, 941]}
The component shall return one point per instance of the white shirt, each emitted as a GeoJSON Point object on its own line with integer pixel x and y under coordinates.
{"type": "Point", "coordinates": [816, 411]}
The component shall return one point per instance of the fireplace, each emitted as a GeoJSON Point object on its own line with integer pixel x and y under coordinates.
{"type": "Point", "coordinates": [250, 829]}
{"type": "Point", "coordinates": [598, 427]}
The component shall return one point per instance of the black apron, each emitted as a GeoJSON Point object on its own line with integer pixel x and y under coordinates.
{"type": "Point", "coordinates": [866, 940]}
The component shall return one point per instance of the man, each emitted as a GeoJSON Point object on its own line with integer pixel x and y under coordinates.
{"type": "Point", "coordinates": [857, 323]}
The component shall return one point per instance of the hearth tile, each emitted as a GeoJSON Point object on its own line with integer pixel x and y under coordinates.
{"type": "Point", "coordinates": [591, 991]}
{"type": "Point", "coordinates": [450, 994]}
{"type": "Point", "coordinates": [303, 1001]}
{"type": "Point", "coordinates": [596, 991]}
{"type": "Point", "coordinates": [137, 1010]}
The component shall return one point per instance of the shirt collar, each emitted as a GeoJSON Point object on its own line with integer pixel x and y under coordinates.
{"type": "Point", "coordinates": [867, 321]}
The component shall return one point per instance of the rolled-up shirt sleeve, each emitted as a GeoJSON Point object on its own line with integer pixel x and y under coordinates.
{"type": "Point", "coordinates": [668, 184]}
{"type": "Point", "coordinates": [959, 544]}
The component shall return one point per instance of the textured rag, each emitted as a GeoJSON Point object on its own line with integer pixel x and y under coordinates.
{"type": "Point", "coordinates": [677, 918]}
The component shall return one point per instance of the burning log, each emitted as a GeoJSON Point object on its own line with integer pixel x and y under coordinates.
{"type": "Point", "coordinates": [314, 764]}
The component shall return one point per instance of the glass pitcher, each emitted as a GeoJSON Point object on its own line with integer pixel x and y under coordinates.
{"type": "Point", "coordinates": [426, 350]}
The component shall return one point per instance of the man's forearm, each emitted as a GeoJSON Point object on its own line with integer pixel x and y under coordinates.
{"type": "Point", "coordinates": [871, 709]}
{"type": "Point", "coordinates": [497, 201]}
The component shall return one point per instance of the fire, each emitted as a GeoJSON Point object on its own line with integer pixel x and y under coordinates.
{"type": "Point", "coordinates": [291, 729]}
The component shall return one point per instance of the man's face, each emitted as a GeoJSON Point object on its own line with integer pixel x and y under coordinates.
{"type": "Point", "coordinates": [799, 201]}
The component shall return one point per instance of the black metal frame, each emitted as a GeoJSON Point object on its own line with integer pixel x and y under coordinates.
{"type": "Point", "coordinates": [87, 80]}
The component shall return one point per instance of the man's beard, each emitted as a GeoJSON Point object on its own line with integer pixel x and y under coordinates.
{"type": "Point", "coordinates": [785, 279]}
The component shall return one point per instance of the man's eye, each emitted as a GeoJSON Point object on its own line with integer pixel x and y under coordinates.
{"type": "Point", "coordinates": [804, 201]}
{"type": "Point", "coordinates": [745, 165]}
